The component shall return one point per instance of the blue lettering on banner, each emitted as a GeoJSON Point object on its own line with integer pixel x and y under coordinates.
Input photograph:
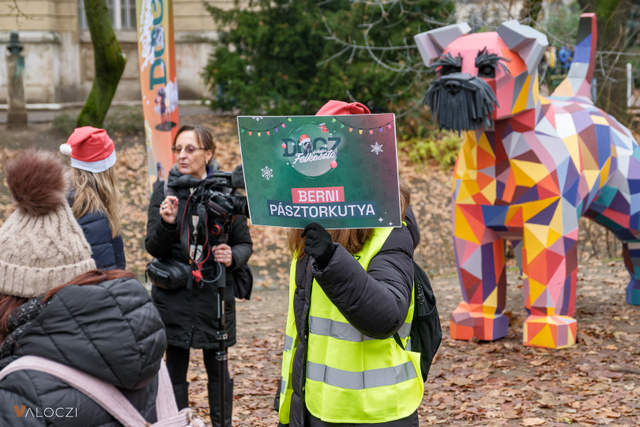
{"type": "Point", "coordinates": [286, 209]}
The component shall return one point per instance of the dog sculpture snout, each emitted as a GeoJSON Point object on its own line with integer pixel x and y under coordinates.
{"type": "Point", "coordinates": [452, 86]}
{"type": "Point", "coordinates": [453, 82]}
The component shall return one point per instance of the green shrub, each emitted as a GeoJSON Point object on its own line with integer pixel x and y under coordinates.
{"type": "Point", "coordinates": [63, 124]}
{"type": "Point", "coordinates": [441, 147]}
{"type": "Point", "coordinates": [124, 119]}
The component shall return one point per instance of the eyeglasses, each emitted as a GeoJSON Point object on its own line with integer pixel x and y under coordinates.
{"type": "Point", "coordinates": [189, 149]}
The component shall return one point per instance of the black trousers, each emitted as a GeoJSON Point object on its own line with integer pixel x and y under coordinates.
{"type": "Point", "coordinates": [178, 365]}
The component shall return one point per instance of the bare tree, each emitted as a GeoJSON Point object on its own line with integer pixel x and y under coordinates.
{"type": "Point", "coordinates": [530, 12]}
{"type": "Point", "coordinates": [612, 19]}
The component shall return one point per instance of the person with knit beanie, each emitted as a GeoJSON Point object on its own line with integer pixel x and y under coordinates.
{"type": "Point", "coordinates": [95, 199]}
{"type": "Point", "coordinates": [55, 304]}
{"type": "Point", "coordinates": [350, 292]}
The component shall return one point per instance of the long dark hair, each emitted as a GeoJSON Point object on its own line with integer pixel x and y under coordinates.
{"type": "Point", "coordinates": [91, 277]}
{"type": "Point", "coordinates": [8, 303]}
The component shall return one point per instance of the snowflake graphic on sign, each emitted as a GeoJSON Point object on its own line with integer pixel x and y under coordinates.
{"type": "Point", "coordinates": [376, 149]}
{"type": "Point", "coordinates": [267, 173]}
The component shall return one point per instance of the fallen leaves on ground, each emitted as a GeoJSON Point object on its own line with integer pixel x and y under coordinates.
{"type": "Point", "coordinates": [471, 383]}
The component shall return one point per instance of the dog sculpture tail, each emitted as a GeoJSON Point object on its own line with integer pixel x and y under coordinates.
{"type": "Point", "coordinates": [578, 81]}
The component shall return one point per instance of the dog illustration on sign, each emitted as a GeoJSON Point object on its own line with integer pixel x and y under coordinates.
{"type": "Point", "coordinates": [528, 169]}
{"type": "Point", "coordinates": [305, 143]}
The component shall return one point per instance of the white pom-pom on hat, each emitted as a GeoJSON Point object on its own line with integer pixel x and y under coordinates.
{"type": "Point", "coordinates": [65, 149]}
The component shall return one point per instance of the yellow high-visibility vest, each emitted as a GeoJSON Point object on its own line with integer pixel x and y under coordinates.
{"type": "Point", "coordinates": [351, 378]}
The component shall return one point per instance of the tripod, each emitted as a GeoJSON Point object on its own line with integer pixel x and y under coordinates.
{"type": "Point", "coordinates": [221, 334]}
{"type": "Point", "coordinates": [220, 232]}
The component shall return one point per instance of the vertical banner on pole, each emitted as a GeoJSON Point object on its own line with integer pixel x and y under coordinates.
{"type": "Point", "coordinates": [156, 55]}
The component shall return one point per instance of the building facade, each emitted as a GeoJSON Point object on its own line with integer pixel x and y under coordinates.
{"type": "Point", "coordinates": [59, 55]}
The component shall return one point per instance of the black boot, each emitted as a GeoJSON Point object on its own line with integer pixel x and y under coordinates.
{"type": "Point", "coordinates": [214, 403]}
{"type": "Point", "coordinates": [181, 393]}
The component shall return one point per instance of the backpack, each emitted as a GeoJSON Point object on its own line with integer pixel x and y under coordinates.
{"type": "Point", "coordinates": [426, 332]}
{"type": "Point", "coordinates": [109, 397]}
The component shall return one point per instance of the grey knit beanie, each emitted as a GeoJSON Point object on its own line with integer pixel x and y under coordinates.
{"type": "Point", "coordinates": [41, 244]}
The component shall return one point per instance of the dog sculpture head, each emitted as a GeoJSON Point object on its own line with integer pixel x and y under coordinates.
{"type": "Point", "coordinates": [481, 77]}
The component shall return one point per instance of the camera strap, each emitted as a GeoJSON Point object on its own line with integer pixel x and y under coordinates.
{"type": "Point", "coordinates": [198, 253]}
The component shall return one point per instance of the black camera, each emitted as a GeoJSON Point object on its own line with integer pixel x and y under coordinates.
{"type": "Point", "coordinates": [218, 197]}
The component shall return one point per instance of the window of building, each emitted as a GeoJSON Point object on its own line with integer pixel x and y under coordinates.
{"type": "Point", "coordinates": [121, 12]}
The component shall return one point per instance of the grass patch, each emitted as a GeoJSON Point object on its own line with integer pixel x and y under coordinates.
{"type": "Point", "coordinates": [441, 148]}
{"type": "Point", "coordinates": [121, 119]}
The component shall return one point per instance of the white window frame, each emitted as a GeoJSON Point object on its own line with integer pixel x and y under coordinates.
{"type": "Point", "coordinates": [115, 13]}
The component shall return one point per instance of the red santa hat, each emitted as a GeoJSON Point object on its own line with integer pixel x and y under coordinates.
{"type": "Point", "coordinates": [304, 138]}
{"type": "Point", "coordinates": [90, 149]}
{"type": "Point", "coordinates": [337, 108]}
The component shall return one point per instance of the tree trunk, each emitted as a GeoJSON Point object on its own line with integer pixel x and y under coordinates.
{"type": "Point", "coordinates": [108, 62]}
{"type": "Point", "coordinates": [612, 16]}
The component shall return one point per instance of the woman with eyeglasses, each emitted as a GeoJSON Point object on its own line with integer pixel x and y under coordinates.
{"type": "Point", "coordinates": [189, 314]}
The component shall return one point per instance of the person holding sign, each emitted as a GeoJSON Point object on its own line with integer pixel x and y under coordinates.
{"type": "Point", "coordinates": [350, 292]}
{"type": "Point", "coordinates": [182, 228]}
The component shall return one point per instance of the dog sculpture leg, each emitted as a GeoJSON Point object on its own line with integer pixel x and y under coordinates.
{"type": "Point", "coordinates": [482, 272]}
{"type": "Point", "coordinates": [550, 272]}
{"type": "Point", "coordinates": [631, 252]}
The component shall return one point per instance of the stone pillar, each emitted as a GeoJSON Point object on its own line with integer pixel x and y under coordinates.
{"type": "Point", "coordinates": [17, 111]}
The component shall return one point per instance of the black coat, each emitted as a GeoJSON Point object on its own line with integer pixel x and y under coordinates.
{"type": "Point", "coordinates": [375, 302]}
{"type": "Point", "coordinates": [190, 315]}
{"type": "Point", "coordinates": [106, 250]}
{"type": "Point", "coordinates": [111, 331]}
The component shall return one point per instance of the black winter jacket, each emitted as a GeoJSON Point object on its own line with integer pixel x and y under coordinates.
{"type": "Point", "coordinates": [190, 315]}
{"type": "Point", "coordinates": [375, 302]}
{"type": "Point", "coordinates": [107, 251]}
{"type": "Point", "coordinates": [111, 331]}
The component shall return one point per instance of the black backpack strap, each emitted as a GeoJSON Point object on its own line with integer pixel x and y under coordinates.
{"type": "Point", "coordinates": [398, 340]}
{"type": "Point", "coordinates": [415, 302]}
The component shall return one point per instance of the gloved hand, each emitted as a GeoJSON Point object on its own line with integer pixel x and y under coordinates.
{"type": "Point", "coordinates": [318, 244]}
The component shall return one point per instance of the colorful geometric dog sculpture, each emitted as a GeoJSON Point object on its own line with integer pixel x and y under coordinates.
{"type": "Point", "coordinates": [528, 169]}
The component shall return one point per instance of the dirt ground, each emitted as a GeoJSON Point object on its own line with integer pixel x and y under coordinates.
{"type": "Point", "coordinates": [501, 383]}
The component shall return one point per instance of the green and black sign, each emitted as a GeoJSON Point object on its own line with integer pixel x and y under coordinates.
{"type": "Point", "coordinates": [339, 171]}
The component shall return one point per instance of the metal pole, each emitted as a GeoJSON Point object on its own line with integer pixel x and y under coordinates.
{"type": "Point", "coordinates": [16, 111]}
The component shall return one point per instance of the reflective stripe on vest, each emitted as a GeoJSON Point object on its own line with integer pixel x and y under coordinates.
{"type": "Point", "coordinates": [352, 378]}
{"type": "Point", "coordinates": [345, 331]}
{"type": "Point", "coordinates": [360, 380]}
{"type": "Point", "coordinates": [290, 343]}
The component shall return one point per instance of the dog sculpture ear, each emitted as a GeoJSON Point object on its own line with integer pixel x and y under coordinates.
{"type": "Point", "coordinates": [432, 43]}
{"type": "Point", "coordinates": [525, 41]}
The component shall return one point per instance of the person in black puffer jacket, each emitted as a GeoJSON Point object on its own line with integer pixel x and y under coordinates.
{"type": "Point", "coordinates": [95, 199]}
{"type": "Point", "coordinates": [55, 304]}
{"type": "Point", "coordinates": [190, 314]}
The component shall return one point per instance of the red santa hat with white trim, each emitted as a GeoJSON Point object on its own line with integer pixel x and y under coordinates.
{"type": "Point", "coordinates": [90, 149]}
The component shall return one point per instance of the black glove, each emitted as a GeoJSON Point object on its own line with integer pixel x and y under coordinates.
{"type": "Point", "coordinates": [318, 244]}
